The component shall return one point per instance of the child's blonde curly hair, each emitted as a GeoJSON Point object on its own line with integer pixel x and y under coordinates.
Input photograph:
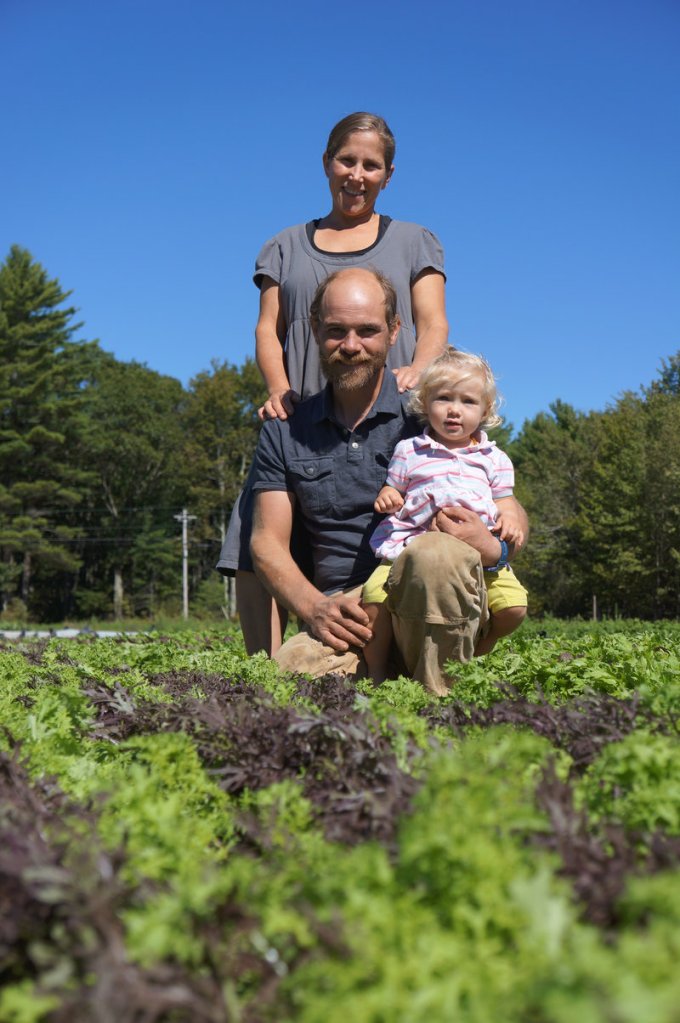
{"type": "Point", "coordinates": [455, 365]}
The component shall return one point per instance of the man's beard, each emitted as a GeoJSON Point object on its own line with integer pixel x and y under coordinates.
{"type": "Point", "coordinates": [351, 375]}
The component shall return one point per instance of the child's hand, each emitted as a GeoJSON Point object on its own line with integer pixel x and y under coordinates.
{"type": "Point", "coordinates": [508, 527]}
{"type": "Point", "coordinates": [388, 500]}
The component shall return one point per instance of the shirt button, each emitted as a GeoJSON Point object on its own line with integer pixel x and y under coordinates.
{"type": "Point", "coordinates": [354, 444]}
{"type": "Point", "coordinates": [309, 469]}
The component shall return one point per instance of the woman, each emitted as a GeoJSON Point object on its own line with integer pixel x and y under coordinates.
{"type": "Point", "coordinates": [358, 162]}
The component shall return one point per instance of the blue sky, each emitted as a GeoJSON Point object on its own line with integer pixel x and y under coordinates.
{"type": "Point", "coordinates": [150, 147]}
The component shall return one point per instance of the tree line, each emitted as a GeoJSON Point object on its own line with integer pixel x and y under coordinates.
{"type": "Point", "coordinates": [98, 456]}
{"type": "Point", "coordinates": [602, 490]}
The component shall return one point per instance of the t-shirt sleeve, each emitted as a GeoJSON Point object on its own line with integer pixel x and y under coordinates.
{"type": "Point", "coordinates": [269, 470]}
{"type": "Point", "coordinates": [268, 262]}
{"type": "Point", "coordinates": [426, 253]}
{"type": "Point", "coordinates": [502, 474]}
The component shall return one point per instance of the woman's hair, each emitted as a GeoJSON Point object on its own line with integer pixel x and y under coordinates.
{"type": "Point", "coordinates": [362, 121]}
{"type": "Point", "coordinates": [455, 365]}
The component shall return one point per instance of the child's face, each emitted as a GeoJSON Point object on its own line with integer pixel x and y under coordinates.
{"type": "Point", "coordinates": [455, 409]}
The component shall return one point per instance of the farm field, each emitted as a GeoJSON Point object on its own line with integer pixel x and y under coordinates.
{"type": "Point", "coordinates": [188, 835]}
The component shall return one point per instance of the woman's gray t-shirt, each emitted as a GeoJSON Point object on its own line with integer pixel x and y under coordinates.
{"type": "Point", "coordinates": [298, 267]}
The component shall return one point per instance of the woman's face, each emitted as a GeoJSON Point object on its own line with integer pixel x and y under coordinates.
{"type": "Point", "coordinates": [357, 173]}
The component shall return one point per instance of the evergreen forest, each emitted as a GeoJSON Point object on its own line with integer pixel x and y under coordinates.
{"type": "Point", "coordinates": [99, 457]}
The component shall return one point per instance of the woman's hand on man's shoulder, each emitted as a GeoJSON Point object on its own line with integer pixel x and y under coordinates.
{"type": "Point", "coordinates": [279, 405]}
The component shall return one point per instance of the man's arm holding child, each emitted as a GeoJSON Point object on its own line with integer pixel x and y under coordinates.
{"type": "Point", "coordinates": [466, 525]}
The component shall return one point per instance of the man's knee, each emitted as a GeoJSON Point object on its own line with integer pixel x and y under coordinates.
{"type": "Point", "coordinates": [437, 578]}
{"type": "Point", "coordinates": [430, 550]}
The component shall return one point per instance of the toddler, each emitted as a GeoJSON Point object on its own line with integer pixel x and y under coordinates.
{"type": "Point", "coordinates": [452, 463]}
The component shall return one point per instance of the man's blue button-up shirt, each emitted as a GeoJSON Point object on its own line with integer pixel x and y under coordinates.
{"type": "Point", "coordinates": [335, 475]}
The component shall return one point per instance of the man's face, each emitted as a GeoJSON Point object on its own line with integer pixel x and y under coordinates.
{"type": "Point", "coordinates": [353, 335]}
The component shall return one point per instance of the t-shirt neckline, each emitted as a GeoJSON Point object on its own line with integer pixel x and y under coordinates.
{"type": "Point", "coordinates": [310, 230]}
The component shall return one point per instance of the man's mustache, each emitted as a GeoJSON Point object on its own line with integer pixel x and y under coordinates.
{"type": "Point", "coordinates": [337, 358]}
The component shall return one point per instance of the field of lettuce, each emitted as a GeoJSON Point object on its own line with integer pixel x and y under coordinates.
{"type": "Point", "coordinates": [188, 836]}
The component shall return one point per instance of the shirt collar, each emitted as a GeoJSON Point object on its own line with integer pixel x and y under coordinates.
{"type": "Point", "coordinates": [425, 440]}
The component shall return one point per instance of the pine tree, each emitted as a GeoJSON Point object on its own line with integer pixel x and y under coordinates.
{"type": "Point", "coordinates": [40, 399]}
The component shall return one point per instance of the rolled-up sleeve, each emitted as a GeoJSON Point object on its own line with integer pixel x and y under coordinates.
{"type": "Point", "coordinates": [269, 468]}
{"type": "Point", "coordinates": [268, 262]}
{"type": "Point", "coordinates": [426, 254]}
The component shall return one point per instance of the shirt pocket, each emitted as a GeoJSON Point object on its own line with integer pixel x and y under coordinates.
{"type": "Point", "coordinates": [314, 484]}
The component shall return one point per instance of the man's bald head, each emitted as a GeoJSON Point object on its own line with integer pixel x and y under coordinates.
{"type": "Point", "coordinates": [355, 278]}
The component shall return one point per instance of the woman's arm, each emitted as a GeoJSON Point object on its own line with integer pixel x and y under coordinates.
{"type": "Point", "coordinates": [270, 335]}
{"type": "Point", "coordinates": [432, 328]}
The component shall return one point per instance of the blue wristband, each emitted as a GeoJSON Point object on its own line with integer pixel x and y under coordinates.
{"type": "Point", "coordinates": [502, 561]}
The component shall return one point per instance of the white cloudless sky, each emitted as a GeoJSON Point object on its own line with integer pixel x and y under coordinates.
{"type": "Point", "coordinates": [150, 147]}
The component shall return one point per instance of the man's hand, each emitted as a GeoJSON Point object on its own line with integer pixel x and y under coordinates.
{"type": "Point", "coordinates": [340, 622]}
{"type": "Point", "coordinates": [466, 525]}
{"type": "Point", "coordinates": [388, 500]}
{"type": "Point", "coordinates": [279, 405]}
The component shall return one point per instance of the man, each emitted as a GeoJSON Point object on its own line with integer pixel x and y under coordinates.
{"type": "Point", "coordinates": [329, 461]}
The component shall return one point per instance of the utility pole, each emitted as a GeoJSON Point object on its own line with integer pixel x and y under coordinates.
{"type": "Point", "coordinates": [185, 519]}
